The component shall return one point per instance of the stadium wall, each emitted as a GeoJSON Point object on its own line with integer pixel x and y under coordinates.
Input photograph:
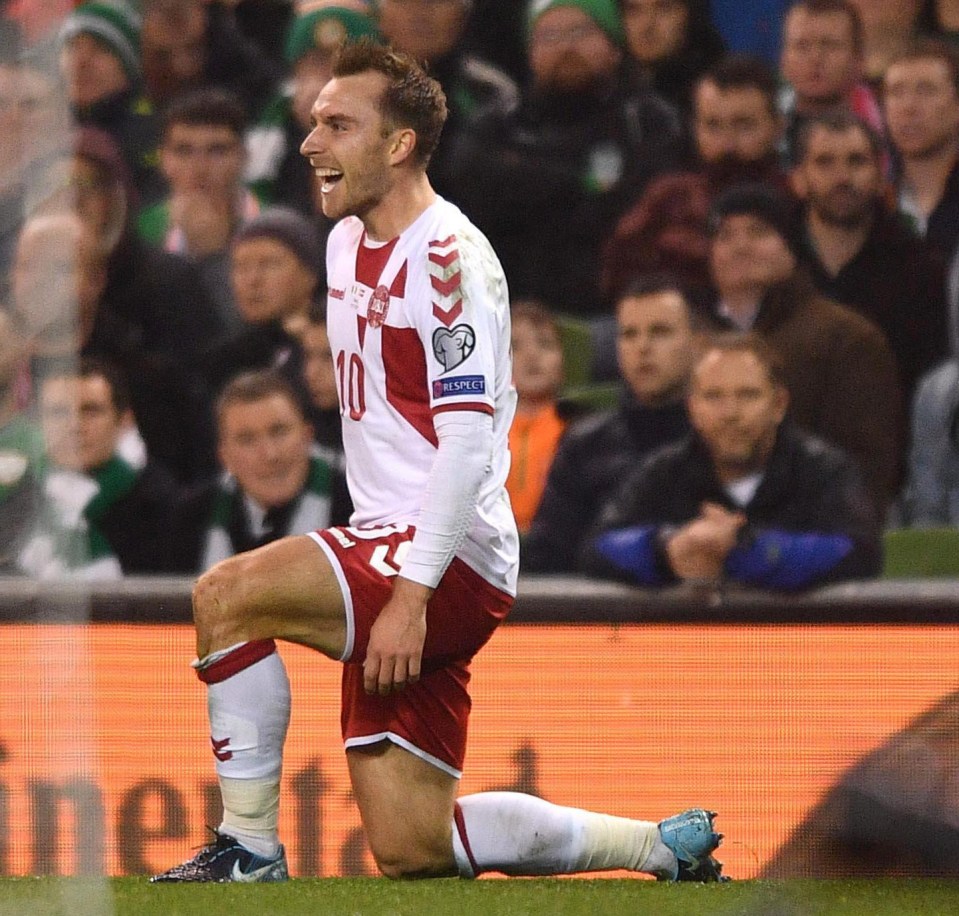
{"type": "Point", "coordinates": [824, 733]}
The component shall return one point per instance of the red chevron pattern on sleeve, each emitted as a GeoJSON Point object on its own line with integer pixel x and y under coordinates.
{"type": "Point", "coordinates": [445, 278]}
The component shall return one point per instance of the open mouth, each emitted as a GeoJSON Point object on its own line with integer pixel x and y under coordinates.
{"type": "Point", "coordinates": [329, 178]}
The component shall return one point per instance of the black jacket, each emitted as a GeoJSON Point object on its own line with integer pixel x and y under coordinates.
{"type": "Point", "coordinates": [548, 181]}
{"type": "Point", "coordinates": [809, 488]}
{"type": "Point", "coordinates": [593, 457]}
{"type": "Point", "coordinates": [138, 524]}
{"type": "Point", "coordinates": [895, 282]}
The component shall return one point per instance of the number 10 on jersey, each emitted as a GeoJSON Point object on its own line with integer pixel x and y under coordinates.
{"type": "Point", "coordinates": [351, 377]}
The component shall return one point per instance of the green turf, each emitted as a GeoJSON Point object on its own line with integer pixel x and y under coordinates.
{"type": "Point", "coordinates": [362, 896]}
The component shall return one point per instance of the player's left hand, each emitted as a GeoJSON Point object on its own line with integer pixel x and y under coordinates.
{"type": "Point", "coordinates": [395, 649]}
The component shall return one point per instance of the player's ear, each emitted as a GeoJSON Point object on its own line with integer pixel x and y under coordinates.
{"type": "Point", "coordinates": [404, 142]}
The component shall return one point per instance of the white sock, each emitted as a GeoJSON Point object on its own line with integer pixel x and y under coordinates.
{"type": "Point", "coordinates": [520, 834]}
{"type": "Point", "coordinates": [248, 700]}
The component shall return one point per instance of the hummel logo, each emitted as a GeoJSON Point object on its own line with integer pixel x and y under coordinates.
{"type": "Point", "coordinates": [258, 874]}
{"type": "Point", "coordinates": [219, 749]}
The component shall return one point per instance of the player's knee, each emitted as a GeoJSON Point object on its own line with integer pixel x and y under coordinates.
{"type": "Point", "coordinates": [404, 868]}
{"type": "Point", "coordinates": [407, 862]}
{"type": "Point", "coordinates": [216, 597]}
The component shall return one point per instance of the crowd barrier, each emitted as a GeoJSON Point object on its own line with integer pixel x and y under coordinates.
{"type": "Point", "coordinates": [823, 727]}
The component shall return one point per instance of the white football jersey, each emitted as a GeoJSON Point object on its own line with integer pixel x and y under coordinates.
{"type": "Point", "coordinates": [417, 326]}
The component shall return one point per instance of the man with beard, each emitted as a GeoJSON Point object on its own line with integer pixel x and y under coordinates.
{"type": "Point", "coordinates": [736, 129]}
{"type": "Point", "coordinates": [547, 181]}
{"type": "Point", "coordinates": [859, 251]}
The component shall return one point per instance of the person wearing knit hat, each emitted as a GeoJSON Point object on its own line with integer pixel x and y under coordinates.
{"type": "Point", "coordinates": [605, 13]}
{"type": "Point", "coordinates": [763, 202]}
{"type": "Point", "coordinates": [99, 62]}
{"type": "Point", "coordinates": [276, 271]}
{"type": "Point", "coordinates": [114, 26]}
{"type": "Point", "coordinates": [290, 229]}
{"type": "Point", "coordinates": [325, 29]}
{"type": "Point", "coordinates": [575, 153]}
{"type": "Point", "coordinates": [840, 371]}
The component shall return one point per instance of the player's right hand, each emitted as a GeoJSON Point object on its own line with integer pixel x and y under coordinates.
{"type": "Point", "coordinates": [395, 649]}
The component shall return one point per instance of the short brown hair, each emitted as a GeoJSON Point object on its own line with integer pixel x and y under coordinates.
{"type": "Point", "coordinates": [207, 107]}
{"type": "Point", "coordinates": [745, 71]}
{"type": "Point", "coordinates": [827, 7]}
{"type": "Point", "coordinates": [412, 98]}
{"type": "Point", "coordinates": [836, 122]}
{"type": "Point", "coordinates": [250, 387]}
{"type": "Point", "coordinates": [534, 311]}
{"type": "Point", "coordinates": [930, 49]}
{"type": "Point", "coordinates": [87, 367]}
{"type": "Point", "coordinates": [656, 283]}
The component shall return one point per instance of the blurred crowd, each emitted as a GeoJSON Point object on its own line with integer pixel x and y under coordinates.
{"type": "Point", "coordinates": [651, 173]}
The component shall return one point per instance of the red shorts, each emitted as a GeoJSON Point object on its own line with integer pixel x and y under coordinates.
{"type": "Point", "coordinates": [427, 718]}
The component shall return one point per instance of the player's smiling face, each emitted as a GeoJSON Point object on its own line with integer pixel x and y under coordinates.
{"type": "Point", "coordinates": [349, 145]}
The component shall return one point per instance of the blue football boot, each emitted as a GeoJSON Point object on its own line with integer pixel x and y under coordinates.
{"type": "Point", "coordinates": [691, 837]}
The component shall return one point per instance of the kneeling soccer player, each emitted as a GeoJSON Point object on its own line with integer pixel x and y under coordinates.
{"type": "Point", "coordinates": [418, 321]}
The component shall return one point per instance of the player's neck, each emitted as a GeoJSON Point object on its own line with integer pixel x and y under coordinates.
{"type": "Point", "coordinates": [399, 208]}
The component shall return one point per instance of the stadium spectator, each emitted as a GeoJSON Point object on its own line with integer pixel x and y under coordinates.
{"type": "Point", "coordinates": [538, 422]}
{"type": "Point", "coordinates": [59, 273]}
{"type": "Point", "coordinates": [100, 517]}
{"type": "Point", "coordinates": [888, 27]}
{"type": "Point", "coordinates": [275, 273]}
{"type": "Point", "coordinates": [273, 484]}
{"type": "Point", "coordinates": [746, 498]}
{"type": "Point", "coordinates": [669, 45]}
{"type": "Point", "coordinates": [195, 44]}
{"type": "Point", "coordinates": [21, 451]}
{"type": "Point", "coordinates": [860, 251]}
{"type": "Point", "coordinates": [202, 158]}
{"type": "Point", "coordinates": [100, 66]}
{"type": "Point", "coordinates": [921, 98]}
{"type": "Point", "coordinates": [275, 169]}
{"type": "Point", "coordinates": [433, 32]}
{"type": "Point", "coordinates": [931, 496]}
{"type": "Point", "coordinates": [398, 606]}
{"type": "Point", "coordinates": [840, 372]}
{"type": "Point", "coordinates": [655, 346]}
{"type": "Point", "coordinates": [577, 150]}
{"type": "Point", "coordinates": [152, 317]}
{"type": "Point", "coordinates": [736, 128]}
{"type": "Point", "coordinates": [822, 66]}
{"type": "Point", "coordinates": [31, 120]}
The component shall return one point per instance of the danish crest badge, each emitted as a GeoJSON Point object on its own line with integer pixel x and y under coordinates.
{"type": "Point", "coordinates": [378, 307]}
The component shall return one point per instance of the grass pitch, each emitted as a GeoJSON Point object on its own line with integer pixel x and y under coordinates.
{"type": "Point", "coordinates": [452, 897]}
